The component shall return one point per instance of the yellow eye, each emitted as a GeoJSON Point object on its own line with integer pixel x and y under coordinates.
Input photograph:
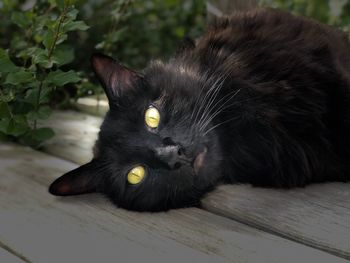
{"type": "Point", "coordinates": [152, 117]}
{"type": "Point", "coordinates": [136, 175]}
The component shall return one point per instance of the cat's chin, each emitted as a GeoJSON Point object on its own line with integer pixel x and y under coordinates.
{"type": "Point", "coordinates": [199, 160]}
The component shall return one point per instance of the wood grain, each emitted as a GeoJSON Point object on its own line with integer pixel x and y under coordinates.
{"type": "Point", "coordinates": [88, 228]}
{"type": "Point", "coordinates": [318, 215]}
{"type": "Point", "coordinates": [96, 105]}
{"type": "Point", "coordinates": [75, 135]}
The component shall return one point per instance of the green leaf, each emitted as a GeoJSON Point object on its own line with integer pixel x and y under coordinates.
{"type": "Point", "coordinates": [42, 113]}
{"type": "Point", "coordinates": [61, 38]}
{"type": "Point", "coordinates": [63, 55]}
{"type": "Point", "coordinates": [74, 25]}
{"type": "Point", "coordinates": [32, 95]}
{"type": "Point", "coordinates": [4, 123]}
{"type": "Point", "coordinates": [4, 111]}
{"type": "Point", "coordinates": [100, 45]}
{"type": "Point", "coordinates": [37, 136]}
{"type": "Point", "coordinates": [14, 127]}
{"type": "Point", "coordinates": [72, 14]}
{"type": "Point", "coordinates": [60, 4]}
{"type": "Point", "coordinates": [18, 43]}
{"type": "Point", "coordinates": [6, 65]}
{"type": "Point", "coordinates": [20, 19]}
{"type": "Point", "coordinates": [41, 58]}
{"type": "Point", "coordinates": [7, 97]}
{"type": "Point", "coordinates": [48, 39]}
{"type": "Point", "coordinates": [116, 35]}
{"type": "Point", "coordinates": [42, 134]}
{"type": "Point", "coordinates": [19, 77]}
{"type": "Point", "coordinates": [60, 78]}
{"type": "Point", "coordinates": [21, 106]}
{"type": "Point", "coordinates": [69, 2]}
{"type": "Point", "coordinates": [21, 119]}
{"type": "Point", "coordinates": [40, 23]}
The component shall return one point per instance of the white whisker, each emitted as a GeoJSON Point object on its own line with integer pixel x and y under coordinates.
{"type": "Point", "coordinates": [207, 109]}
{"type": "Point", "coordinates": [222, 107]}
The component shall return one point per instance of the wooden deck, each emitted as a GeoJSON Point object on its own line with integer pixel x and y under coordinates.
{"type": "Point", "coordinates": [238, 223]}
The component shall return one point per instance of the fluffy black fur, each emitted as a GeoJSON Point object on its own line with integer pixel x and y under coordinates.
{"type": "Point", "coordinates": [262, 98]}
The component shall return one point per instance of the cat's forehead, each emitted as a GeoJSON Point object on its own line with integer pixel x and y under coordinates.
{"type": "Point", "coordinates": [180, 69]}
{"type": "Point", "coordinates": [173, 82]}
{"type": "Point", "coordinates": [172, 73]}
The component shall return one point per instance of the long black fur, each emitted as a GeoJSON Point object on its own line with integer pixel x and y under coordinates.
{"type": "Point", "coordinates": [266, 92]}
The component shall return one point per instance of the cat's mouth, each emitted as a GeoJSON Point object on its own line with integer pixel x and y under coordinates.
{"type": "Point", "coordinates": [199, 160]}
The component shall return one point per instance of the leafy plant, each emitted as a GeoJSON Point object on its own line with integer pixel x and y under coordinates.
{"type": "Point", "coordinates": [32, 65]}
{"type": "Point", "coordinates": [42, 43]}
{"type": "Point", "coordinates": [135, 31]}
{"type": "Point", "coordinates": [138, 30]}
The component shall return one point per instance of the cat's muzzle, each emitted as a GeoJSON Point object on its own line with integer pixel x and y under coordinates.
{"type": "Point", "coordinates": [173, 156]}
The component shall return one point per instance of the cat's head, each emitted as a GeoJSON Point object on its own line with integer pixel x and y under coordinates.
{"type": "Point", "coordinates": [153, 152]}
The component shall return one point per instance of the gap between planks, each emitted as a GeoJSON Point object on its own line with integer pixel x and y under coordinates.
{"type": "Point", "coordinates": [8, 255]}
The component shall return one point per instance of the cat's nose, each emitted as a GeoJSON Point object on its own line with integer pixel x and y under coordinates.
{"type": "Point", "coordinates": [172, 155]}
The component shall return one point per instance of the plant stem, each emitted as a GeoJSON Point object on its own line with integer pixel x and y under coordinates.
{"type": "Point", "coordinates": [62, 18]}
{"type": "Point", "coordinates": [38, 102]}
{"type": "Point", "coordinates": [52, 48]}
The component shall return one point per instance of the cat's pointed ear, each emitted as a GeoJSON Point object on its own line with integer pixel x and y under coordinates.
{"type": "Point", "coordinates": [78, 181]}
{"type": "Point", "coordinates": [114, 77]}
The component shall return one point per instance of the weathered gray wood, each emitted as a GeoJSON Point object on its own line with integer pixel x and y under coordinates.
{"type": "Point", "coordinates": [75, 135]}
{"type": "Point", "coordinates": [318, 215]}
{"type": "Point", "coordinates": [88, 228]}
{"type": "Point", "coordinates": [96, 105]}
{"type": "Point", "coordinates": [7, 257]}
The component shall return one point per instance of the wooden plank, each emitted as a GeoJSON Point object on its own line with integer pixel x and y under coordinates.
{"type": "Point", "coordinates": [88, 228]}
{"type": "Point", "coordinates": [7, 257]}
{"type": "Point", "coordinates": [317, 215]}
{"type": "Point", "coordinates": [76, 134]}
{"type": "Point", "coordinates": [96, 105]}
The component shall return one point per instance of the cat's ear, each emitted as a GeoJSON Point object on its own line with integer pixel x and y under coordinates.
{"type": "Point", "coordinates": [81, 180]}
{"type": "Point", "coordinates": [114, 77]}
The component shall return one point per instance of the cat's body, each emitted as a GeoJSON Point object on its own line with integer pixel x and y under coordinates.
{"type": "Point", "coordinates": [262, 98]}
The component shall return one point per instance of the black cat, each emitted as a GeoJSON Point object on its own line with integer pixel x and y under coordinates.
{"type": "Point", "coordinates": [262, 98]}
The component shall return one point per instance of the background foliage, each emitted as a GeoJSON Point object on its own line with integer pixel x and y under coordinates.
{"type": "Point", "coordinates": [45, 47]}
{"type": "Point", "coordinates": [32, 58]}
{"type": "Point", "coordinates": [333, 12]}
